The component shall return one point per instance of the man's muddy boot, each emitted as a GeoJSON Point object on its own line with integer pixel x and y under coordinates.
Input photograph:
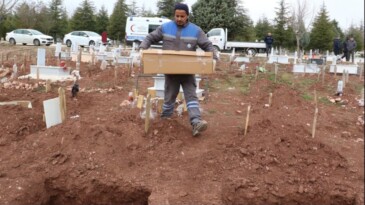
{"type": "Point", "coordinates": [199, 127]}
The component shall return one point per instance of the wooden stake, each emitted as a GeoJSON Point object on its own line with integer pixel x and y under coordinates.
{"type": "Point", "coordinates": [257, 73]}
{"type": "Point", "coordinates": [347, 76]}
{"type": "Point", "coordinates": [276, 71]}
{"type": "Point", "coordinates": [159, 105]}
{"type": "Point", "coordinates": [314, 122]}
{"type": "Point", "coordinates": [79, 56]}
{"type": "Point", "coordinates": [344, 78]}
{"type": "Point", "coordinates": [48, 86]}
{"type": "Point", "coordinates": [315, 98]}
{"type": "Point", "coordinates": [115, 74]}
{"type": "Point", "coordinates": [25, 60]}
{"type": "Point", "coordinates": [140, 101]}
{"type": "Point", "coordinates": [93, 58]}
{"type": "Point", "coordinates": [135, 93]}
{"type": "Point", "coordinates": [361, 70]}
{"type": "Point", "coordinates": [185, 106]}
{"type": "Point", "coordinates": [37, 73]}
{"type": "Point", "coordinates": [335, 71]}
{"type": "Point", "coordinates": [179, 97]}
{"type": "Point", "coordinates": [61, 93]}
{"type": "Point", "coordinates": [148, 110]}
{"type": "Point", "coordinates": [323, 73]}
{"type": "Point", "coordinates": [247, 119]}
{"type": "Point", "coordinates": [270, 99]}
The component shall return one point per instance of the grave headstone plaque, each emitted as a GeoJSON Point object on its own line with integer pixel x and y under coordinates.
{"type": "Point", "coordinates": [41, 57]}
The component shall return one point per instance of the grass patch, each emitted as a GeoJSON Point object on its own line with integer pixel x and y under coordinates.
{"type": "Point", "coordinates": [325, 101]}
{"type": "Point", "coordinates": [287, 78]}
{"type": "Point", "coordinates": [304, 84]}
{"type": "Point", "coordinates": [212, 111]}
{"type": "Point", "coordinates": [284, 78]}
{"type": "Point", "coordinates": [39, 89]}
{"type": "Point", "coordinates": [306, 96]}
{"type": "Point", "coordinates": [103, 84]}
{"type": "Point", "coordinates": [232, 82]}
{"type": "Point", "coordinates": [358, 88]}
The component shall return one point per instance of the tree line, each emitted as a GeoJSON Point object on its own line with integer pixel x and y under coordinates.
{"type": "Point", "coordinates": [289, 27]}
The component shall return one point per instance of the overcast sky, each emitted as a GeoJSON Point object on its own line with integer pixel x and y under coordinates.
{"type": "Point", "coordinates": [346, 12]}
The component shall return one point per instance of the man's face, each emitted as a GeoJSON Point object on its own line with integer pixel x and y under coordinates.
{"type": "Point", "coordinates": [181, 17]}
{"type": "Point", "coordinates": [269, 34]}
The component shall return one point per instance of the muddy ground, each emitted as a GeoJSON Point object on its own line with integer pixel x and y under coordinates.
{"type": "Point", "coordinates": [101, 154]}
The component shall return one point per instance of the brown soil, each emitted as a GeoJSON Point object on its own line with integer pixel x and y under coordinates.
{"type": "Point", "coordinates": [101, 155]}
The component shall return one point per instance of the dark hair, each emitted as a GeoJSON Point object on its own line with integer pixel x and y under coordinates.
{"type": "Point", "coordinates": [181, 6]}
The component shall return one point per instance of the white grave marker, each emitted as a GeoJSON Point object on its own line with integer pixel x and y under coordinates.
{"type": "Point", "coordinates": [41, 57]}
{"type": "Point", "coordinates": [102, 49]}
{"type": "Point", "coordinates": [295, 57]}
{"type": "Point", "coordinates": [74, 48]}
{"type": "Point", "coordinates": [58, 49]}
{"type": "Point", "coordinates": [52, 112]}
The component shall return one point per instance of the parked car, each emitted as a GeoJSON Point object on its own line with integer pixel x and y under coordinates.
{"type": "Point", "coordinates": [82, 38]}
{"type": "Point", "coordinates": [28, 36]}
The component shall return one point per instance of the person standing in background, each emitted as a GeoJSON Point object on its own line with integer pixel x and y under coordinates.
{"type": "Point", "coordinates": [269, 40]}
{"type": "Point", "coordinates": [351, 47]}
{"type": "Point", "coordinates": [337, 46]}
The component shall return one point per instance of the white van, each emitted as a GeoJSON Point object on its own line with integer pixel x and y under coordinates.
{"type": "Point", "coordinates": [137, 28]}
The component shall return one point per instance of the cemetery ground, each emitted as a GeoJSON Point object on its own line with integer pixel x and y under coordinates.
{"type": "Point", "coordinates": [101, 154]}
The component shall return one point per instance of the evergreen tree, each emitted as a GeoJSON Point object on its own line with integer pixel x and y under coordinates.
{"type": "Point", "coordinates": [228, 14]}
{"type": "Point", "coordinates": [102, 20]}
{"type": "Point", "coordinates": [44, 23]}
{"type": "Point", "coordinates": [322, 33]}
{"type": "Point", "coordinates": [133, 9]}
{"type": "Point", "coordinates": [245, 30]}
{"type": "Point", "coordinates": [146, 13]}
{"type": "Point", "coordinates": [166, 8]}
{"type": "Point", "coordinates": [262, 27]}
{"type": "Point", "coordinates": [25, 15]}
{"type": "Point", "coordinates": [84, 18]}
{"type": "Point", "coordinates": [116, 28]}
{"type": "Point", "coordinates": [8, 24]}
{"type": "Point", "coordinates": [58, 19]}
{"type": "Point", "coordinates": [337, 30]}
{"type": "Point", "coordinates": [281, 34]}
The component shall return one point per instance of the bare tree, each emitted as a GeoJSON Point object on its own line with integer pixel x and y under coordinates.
{"type": "Point", "coordinates": [300, 14]}
{"type": "Point", "coordinates": [6, 6]}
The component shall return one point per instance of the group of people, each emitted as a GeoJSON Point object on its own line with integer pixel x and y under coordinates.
{"type": "Point", "coordinates": [348, 47]}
